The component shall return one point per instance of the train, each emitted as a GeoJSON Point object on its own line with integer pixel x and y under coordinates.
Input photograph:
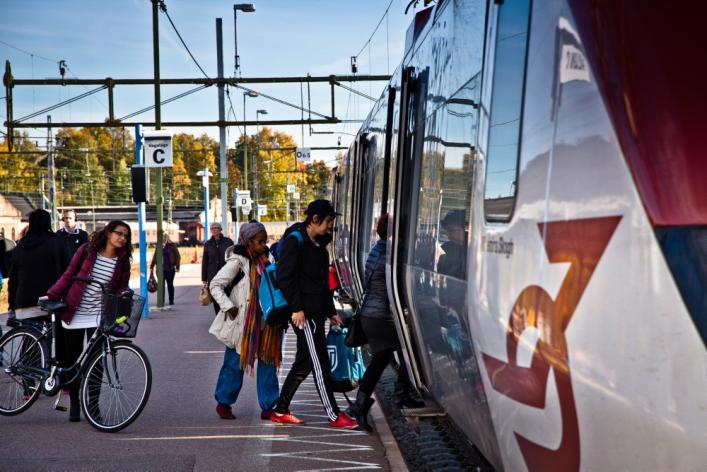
{"type": "Point", "coordinates": [542, 163]}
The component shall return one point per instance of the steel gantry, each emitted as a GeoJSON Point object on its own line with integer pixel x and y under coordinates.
{"type": "Point", "coordinates": [108, 84]}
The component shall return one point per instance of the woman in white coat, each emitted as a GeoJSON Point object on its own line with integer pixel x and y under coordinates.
{"type": "Point", "coordinates": [240, 325]}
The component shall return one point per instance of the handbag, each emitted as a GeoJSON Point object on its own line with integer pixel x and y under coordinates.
{"type": "Point", "coordinates": [356, 336]}
{"type": "Point", "coordinates": [224, 329]}
{"type": "Point", "coordinates": [152, 283]}
{"type": "Point", "coordinates": [204, 296]}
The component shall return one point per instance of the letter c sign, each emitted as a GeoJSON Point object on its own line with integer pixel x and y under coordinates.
{"type": "Point", "coordinates": [158, 148]}
{"type": "Point", "coordinates": [158, 160]}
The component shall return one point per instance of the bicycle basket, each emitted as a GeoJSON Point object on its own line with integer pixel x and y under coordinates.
{"type": "Point", "coordinates": [119, 305]}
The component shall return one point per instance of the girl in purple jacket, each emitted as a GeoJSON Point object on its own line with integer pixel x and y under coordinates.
{"type": "Point", "coordinates": [106, 258]}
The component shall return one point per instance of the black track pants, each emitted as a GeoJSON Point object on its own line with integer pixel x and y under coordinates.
{"type": "Point", "coordinates": [311, 356]}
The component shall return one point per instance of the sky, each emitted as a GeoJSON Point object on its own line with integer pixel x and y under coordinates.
{"type": "Point", "coordinates": [282, 38]}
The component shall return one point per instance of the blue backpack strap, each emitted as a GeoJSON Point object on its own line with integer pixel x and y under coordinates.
{"type": "Point", "coordinates": [297, 235]}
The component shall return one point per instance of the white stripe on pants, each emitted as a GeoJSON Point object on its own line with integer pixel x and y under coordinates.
{"type": "Point", "coordinates": [317, 369]}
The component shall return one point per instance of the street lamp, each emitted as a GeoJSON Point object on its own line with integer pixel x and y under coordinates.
{"type": "Point", "coordinates": [205, 174]}
{"type": "Point", "coordinates": [245, 8]}
{"type": "Point", "coordinates": [255, 162]}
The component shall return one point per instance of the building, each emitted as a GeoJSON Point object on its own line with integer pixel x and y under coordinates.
{"type": "Point", "coordinates": [14, 210]}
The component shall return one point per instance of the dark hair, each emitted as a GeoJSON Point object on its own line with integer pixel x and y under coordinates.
{"type": "Point", "coordinates": [321, 208]}
{"type": "Point", "coordinates": [40, 222]}
{"type": "Point", "coordinates": [99, 239]}
{"type": "Point", "coordinates": [382, 226]}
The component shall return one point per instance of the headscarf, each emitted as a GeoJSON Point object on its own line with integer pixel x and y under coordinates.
{"type": "Point", "coordinates": [248, 231]}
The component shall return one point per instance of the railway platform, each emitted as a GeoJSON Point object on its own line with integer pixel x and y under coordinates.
{"type": "Point", "coordinates": [179, 429]}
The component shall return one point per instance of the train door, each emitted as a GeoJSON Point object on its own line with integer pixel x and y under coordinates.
{"type": "Point", "coordinates": [409, 147]}
{"type": "Point", "coordinates": [366, 201]}
{"type": "Point", "coordinates": [342, 228]}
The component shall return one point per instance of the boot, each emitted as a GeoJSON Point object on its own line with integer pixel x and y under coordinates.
{"type": "Point", "coordinates": [406, 398]}
{"type": "Point", "coordinates": [75, 405]}
{"type": "Point", "coordinates": [359, 410]}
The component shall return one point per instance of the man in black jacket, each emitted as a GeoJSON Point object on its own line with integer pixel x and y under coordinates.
{"type": "Point", "coordinates": [71, 235]}
{"type": "Point", "coordinates": [303, 277]}
{"type": "Point", "coordinates": [214, 256]}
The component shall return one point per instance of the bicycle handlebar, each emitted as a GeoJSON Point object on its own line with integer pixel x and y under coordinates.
{"type": "Point", "coordinates": [90, 280]}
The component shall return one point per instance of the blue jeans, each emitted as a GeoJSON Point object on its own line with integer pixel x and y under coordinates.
{"type": "Point", "coordinates": [230, 381]}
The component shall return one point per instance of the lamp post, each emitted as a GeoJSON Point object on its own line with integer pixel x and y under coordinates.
{"type": "Point", "coordinates": [205, 174]}
{"type": "Point", "coordinates": [251, 94]}
{"type": "Point", "coordinates": [255, 163]}
{"type": "Point", "coordinates": [245, 8]}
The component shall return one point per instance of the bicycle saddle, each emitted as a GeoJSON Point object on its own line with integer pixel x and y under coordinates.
{"type": "Point", "coordinates": [50, 305]}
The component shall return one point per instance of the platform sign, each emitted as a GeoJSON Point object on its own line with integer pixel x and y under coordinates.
{"type": "Point", "coordinates": [262, 210]}
{"type": "Point", "coordinates": [158, 148]}
{"type": "Point", "coordinates": [304, 155]}
{"type": "Point", "coordinates": [291, 188]}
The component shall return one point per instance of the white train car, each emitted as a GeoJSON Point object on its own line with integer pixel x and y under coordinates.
{"type": "Point", "coordinates": [544, 166]}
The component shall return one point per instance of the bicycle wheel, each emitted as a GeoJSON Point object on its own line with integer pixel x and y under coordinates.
{"type": "Point", "coordinates": [23, 355]}
{"type": "Point", "coordinates": [116, 386]}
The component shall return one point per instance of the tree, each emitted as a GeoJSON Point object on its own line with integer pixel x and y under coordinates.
{"type": "Point", "coordinates": [21, 172]}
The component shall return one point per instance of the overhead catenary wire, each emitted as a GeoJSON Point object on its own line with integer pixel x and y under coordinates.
{"type": "Point", "coordinates": [60, 104]}
{"type": "Point", "coordinates": [163, 102]}
{"type": "Point", "coordinates": [375, 29]}
{"type": "Point", "coordinates": [163, 8]}
{"type": "Point", "coordinates": [339, 84]}
{"type": "Point", "coordinates": [24, 51]}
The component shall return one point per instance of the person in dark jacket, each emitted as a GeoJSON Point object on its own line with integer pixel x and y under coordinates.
{"type": "Point", "coordinates": [214, 256]}
{"type": "Point", "coordinates": [107, 259]}
{"type": "Point", "coordinates": [303, 277]}
{"type": "Point", "coordinates": [37, 262]}
{"type": "Point", "coordinates": [379, 328]}
{"type": "Point", "coordinates": [170, 264]}
{"type": "Point", "coordinates": [71, 235]}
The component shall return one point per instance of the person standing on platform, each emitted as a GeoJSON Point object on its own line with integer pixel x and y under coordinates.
{"type": "Point", "coordinates": [303, 277]}
{"type": "Point", "coordinates": [170, 264]}
{"type": "Point", "coordinates": [246, 336]}
{"type": "Point", "coordinates": [38, 261]}
{"type": "Point", "coordinates": [214, 256]}
{"type": "Point", "coordinates": [71, 235]}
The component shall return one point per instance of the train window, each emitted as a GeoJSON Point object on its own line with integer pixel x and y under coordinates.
{"type": "Point", "coordinates": [506, 110]}
{"type": "Point", "coordinates": [447, 170]}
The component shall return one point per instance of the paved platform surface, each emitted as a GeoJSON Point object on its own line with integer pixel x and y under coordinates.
{"type": "Point", "coordinates": [179, 429]}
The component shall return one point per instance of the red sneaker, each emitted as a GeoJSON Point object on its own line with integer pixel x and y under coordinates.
{"type": "Point", "coordinates": [285, 418]}
{"type": "Point", "coordinates": [224, 411]}
{"type": "Point", "coordinates": [343, 421]}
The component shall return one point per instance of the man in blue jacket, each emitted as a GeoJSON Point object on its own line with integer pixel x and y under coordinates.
{"type": "Point", "coordinates": [303, 277]}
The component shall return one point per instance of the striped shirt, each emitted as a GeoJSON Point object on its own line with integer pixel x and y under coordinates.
{"type": "Point", "coordinates": [88, 314]}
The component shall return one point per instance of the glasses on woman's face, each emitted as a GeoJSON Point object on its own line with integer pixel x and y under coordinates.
{"type": "Point", "coordinates": [120, 234]}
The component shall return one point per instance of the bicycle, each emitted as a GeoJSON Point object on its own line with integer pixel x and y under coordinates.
{"type": "Point", "coordinates": [115, 374]}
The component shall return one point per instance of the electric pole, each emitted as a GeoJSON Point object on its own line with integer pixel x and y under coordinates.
{"type": "Point", "coordinates": [158, 179]}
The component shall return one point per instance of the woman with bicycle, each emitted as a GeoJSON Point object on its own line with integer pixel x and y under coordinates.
{"type": "Point", "coordinates": [106, 258]}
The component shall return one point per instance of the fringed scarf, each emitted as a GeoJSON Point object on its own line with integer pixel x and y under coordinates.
{"type": "Point", "coordinates": [260, 341]}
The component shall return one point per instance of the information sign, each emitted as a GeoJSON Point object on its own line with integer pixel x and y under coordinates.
{"type": "Point", "coordinates": [158, 148]}
{"type": "Point", "coordinates": [304, 155]}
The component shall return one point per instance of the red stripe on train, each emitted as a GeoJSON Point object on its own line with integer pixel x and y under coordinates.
{"type": "Point", "coordinates": [649, 61]}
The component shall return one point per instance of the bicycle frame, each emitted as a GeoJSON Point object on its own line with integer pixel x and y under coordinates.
{"type": "Point", "coordinates": [98, 339]}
